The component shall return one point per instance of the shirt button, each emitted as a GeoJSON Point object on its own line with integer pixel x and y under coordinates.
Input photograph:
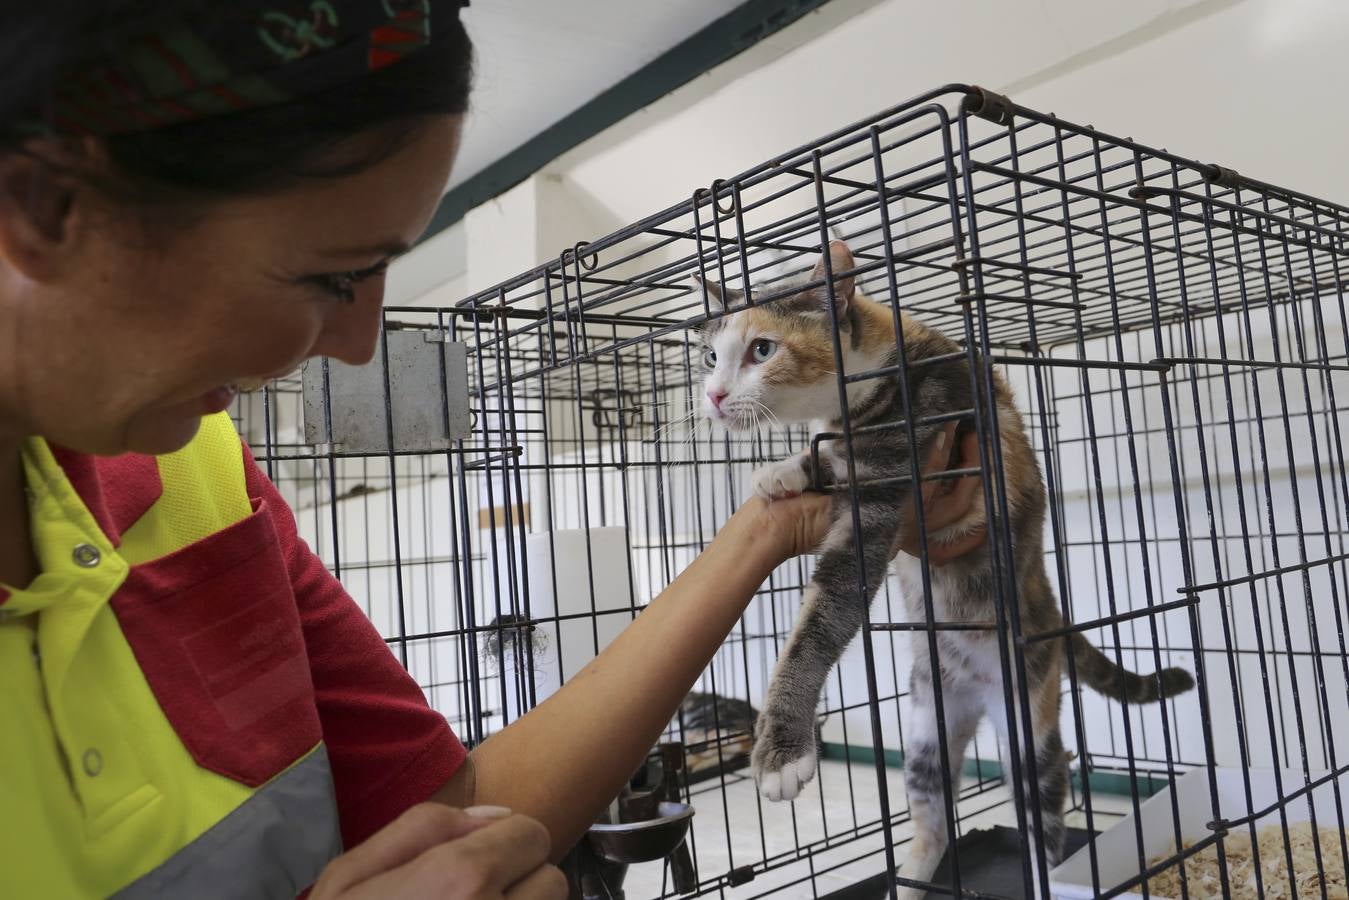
{"type": "Point", "coordinates": [93, 762]}
{"type": "Point", "coordinates": [86, 555]}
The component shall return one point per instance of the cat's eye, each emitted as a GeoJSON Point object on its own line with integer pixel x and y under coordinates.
{"type": "Point", "coordinates": [763, 350]}
{"type": "Point", "coordinates": [710, 358]}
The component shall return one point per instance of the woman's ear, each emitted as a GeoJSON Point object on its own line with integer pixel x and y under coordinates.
{"type": "Point", "coordinates": [37, 203]}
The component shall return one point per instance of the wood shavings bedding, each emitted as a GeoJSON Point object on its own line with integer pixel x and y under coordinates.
{"type": "Point", "coordinates": [1204, 881]}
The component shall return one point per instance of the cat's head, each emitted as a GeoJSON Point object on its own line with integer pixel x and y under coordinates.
{"type": "Point", "coordinates": [776, 360]}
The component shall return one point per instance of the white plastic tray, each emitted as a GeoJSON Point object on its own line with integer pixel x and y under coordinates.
{"type": "Point", "coordinates": [1117, 846]}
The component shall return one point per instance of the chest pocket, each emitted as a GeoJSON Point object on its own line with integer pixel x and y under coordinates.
{"type": "Point", "coordinates": [217, 633]}
{"type": "Point", "coordinates": [209, 613]}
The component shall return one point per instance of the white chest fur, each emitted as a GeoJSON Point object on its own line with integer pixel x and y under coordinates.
{"type": "Point", "coordinates": [968, 656]}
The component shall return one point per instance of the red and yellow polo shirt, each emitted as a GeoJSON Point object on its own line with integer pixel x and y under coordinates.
{"type": "Point", "coordinates": [190, 704]}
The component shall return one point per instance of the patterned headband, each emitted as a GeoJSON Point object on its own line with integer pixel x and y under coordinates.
{"type": "Point", "coordinates": [238, 55]}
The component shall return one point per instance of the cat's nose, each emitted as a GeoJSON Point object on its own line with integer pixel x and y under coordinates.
{"type": "Point", "coordinates": [716, 397]}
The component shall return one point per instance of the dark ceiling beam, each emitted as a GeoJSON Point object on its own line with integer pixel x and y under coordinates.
{"type": "Point", "coordinates": [728, 36]}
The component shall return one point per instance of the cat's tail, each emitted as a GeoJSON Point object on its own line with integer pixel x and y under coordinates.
{"type": "Point", "coordinates": [1101, 674]}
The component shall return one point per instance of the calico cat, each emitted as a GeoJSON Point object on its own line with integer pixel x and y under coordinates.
{"type": "Point", "coordinates": [778, 358]}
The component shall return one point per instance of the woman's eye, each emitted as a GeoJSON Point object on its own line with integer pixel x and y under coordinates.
{"type": "Point", "coordinates": [342, 285]}
{"type": "Point", "coordinates": [710, 359]}
{"type": "Point", "coordinates": [762, 350]}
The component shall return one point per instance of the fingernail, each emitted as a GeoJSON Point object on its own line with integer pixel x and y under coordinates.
{"type": "Point", "coordinates": [941, 440]}
{"type": "Point", "coordinates": [487, 812]}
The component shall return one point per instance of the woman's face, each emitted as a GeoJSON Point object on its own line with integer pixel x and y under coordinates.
{"type": "Point", "coordinates": [110, 344]}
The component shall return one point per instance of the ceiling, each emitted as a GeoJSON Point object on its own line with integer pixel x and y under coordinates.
{"type": "Point", "coordinates": [540, 60]}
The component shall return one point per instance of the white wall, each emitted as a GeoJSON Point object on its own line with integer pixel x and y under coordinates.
{"type": "Point", "coordinates": [1253, 84]}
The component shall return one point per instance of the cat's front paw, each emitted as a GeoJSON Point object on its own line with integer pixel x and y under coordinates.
{"type": "Point", "coordinates": [784, 478]}
{"type": "Point", "coordinates": [785, 757]}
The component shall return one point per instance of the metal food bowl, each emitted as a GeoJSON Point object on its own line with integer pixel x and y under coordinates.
{"type": "Point", "coordinates": [645, 840]}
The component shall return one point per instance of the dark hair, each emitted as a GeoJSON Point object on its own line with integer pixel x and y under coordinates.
{"type": "Point", "coordinates": [247, 151]}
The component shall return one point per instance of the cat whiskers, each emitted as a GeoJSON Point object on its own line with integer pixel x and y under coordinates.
{"type": "Point", "coordinates": [664, 430]}
{"type": "Point", "coordinates": [675, 454]}
{"type": "Point", "coordinates": [772, 416]}
{"type": "Point", "coordinates": [761, 411]}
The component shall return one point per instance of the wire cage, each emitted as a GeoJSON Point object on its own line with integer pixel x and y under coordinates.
{"type": "Point", "coordinates": [515, 477]}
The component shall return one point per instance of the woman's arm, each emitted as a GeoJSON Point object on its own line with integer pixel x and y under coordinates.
{"type": "Point", "coordinates": [567, 759]}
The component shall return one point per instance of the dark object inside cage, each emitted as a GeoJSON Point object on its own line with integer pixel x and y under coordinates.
{"type": "Point", "coordinates": [1174, 334]}
{"type": "Point", "coordinates": [647, 822]}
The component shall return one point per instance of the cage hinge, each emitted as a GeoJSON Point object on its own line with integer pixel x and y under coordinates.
{"type": "Point", "coordinates": [996, 108]}
{"type": "Point", "coordinates": [1222, 176]}
{"type": "Point", "coordinates": [740, 875]}
{"type": "Point", "coordinates": [1219, 827]}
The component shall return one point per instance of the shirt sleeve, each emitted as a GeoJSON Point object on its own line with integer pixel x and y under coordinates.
{"type": "Point", "coordinates": [388, 749]}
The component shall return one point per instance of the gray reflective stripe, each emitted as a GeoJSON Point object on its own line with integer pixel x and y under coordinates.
{"type": "Point", "coordinates": [274, 845]}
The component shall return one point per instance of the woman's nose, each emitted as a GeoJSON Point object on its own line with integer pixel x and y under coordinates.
{"type": "Point", "coordinates": [351, 331]}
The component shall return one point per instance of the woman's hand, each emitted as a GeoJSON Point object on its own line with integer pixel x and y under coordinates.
{"type": "Point", "coordinates": [798, 524]}
{"type": "Point", "coordinates": [435, 851]}
{"type": "Point", "coordinates": [945, 502]}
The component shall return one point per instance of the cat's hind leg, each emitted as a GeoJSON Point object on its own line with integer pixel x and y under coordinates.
{"type": "Point", "coordinates": [1049, 790]}
{"type": "Point", "coordinates": [926, 780]}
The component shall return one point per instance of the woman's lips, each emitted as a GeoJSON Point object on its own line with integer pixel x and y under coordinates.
{"type": "Point", "coordinates": [217, 399]}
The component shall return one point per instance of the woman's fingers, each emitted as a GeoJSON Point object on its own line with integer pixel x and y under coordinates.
{"type": "Point", "coordinates": [435, 851]}
{"type": "Point", "coordinates": [962, 489]}
{"type": "Point", "coordinates": [941, 449]}
{"type": "Point", "coordinates": [493, 858]}
{"type": "Point", "coordinates": [937, 459]}
{"type": "Point", "coordinates": [939, 554]}
{"type": "Point", "coordinates": [945, 502]}
{"type": "Point", "coordinates": [419, 829]}
{"type": "Point", "coordinates": [957, 494]}
{"type": "Point", "coordinates": [547, 883]}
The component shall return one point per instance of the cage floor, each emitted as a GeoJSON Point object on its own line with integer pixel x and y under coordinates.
{"type": "Point", "coordinates": [842, 798]}
{"type": "Point", "coordinates": [990, 863]}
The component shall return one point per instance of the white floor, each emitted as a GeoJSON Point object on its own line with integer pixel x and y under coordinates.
{"type": "Point", "coordinates": [843, 801]}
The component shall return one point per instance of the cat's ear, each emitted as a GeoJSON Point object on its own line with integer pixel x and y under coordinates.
{"type": "Point", "coordinates": [840, 260]}
{"type": "Point", "coordinates": [719, 296]}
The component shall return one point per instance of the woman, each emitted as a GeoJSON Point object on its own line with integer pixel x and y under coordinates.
{"type": "Point", "coordinates": [195, 198]}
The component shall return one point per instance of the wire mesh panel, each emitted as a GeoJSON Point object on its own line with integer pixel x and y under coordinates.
{"type": "Point", "coordinates": [1174, 337]}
